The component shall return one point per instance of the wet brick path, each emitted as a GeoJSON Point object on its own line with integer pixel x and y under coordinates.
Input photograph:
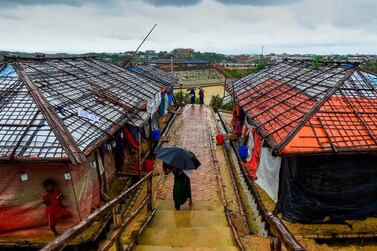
{"type": "Point", "coordinates": [192, 132]}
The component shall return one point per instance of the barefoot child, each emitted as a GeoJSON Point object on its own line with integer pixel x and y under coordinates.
{"type": "Point", "coordinates": [54, 210]}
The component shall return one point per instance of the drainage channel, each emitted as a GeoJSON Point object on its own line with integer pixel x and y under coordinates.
{"type": "Point", "coordinates": [264, 222]}
{"type": "Point", "coordinates": [254, 217]}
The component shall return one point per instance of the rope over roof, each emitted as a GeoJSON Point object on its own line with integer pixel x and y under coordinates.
{"type": "Point", "coordinates": [63, 108]}
{"type": "Point", "coordinates": [301, 108]}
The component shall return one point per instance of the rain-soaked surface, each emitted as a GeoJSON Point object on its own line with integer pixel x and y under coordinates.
{"type": "Point", "coordinates": [204, 227]}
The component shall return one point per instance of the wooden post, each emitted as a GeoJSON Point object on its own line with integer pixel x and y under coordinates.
{"type": "Point", "coordinates": [222, 99]}
{"type": "Point", "coordinates": [150, 133]}
{"type": "Point", "coordinates": [181, 101]}
{"type": "Point", "coordinates": [275, 243]}
{"type": "Point", "coordinates": [139, 150]}
{"type": "Point", "coordinates": [117, 223]}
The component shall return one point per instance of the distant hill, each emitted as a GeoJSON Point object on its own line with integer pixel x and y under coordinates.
{"type": "Point", "coordinates": [142, 56]}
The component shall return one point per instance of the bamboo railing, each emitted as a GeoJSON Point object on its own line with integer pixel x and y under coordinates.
{"type": "Point", "coordinates": [279, 233]}
{"type": "Point", "coordinates": [61, 241]}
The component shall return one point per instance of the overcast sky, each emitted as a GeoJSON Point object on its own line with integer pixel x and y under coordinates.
{"type": "Point", "coordinates": [226, 26]}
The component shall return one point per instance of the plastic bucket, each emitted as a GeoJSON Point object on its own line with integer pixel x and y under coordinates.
{"type": "Point", "coordinates": [149, 165]}
{"type": "Point", "coordinates": [156, 135]}
{"type": "Point", "coordinates": [220, 139]}
{"type": "Point", "coordinates": [243, 152]}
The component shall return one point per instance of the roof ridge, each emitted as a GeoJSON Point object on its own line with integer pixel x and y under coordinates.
{"type": "Point", "coordinates": [366, 71]}
{"type": "Point", "coordinates": [57, 126]}
{"type": "Point", "coordinates": [313, 111]}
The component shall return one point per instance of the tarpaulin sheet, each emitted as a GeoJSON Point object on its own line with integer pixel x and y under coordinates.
{"type": "Point", "coordinates": [268, 173]}
{"type": "Point", "coordinates": [336, 187]}
{"type": "Point", "coordinates": [153, 104]}
{"type": "Point", "coordinates": [22, 213]}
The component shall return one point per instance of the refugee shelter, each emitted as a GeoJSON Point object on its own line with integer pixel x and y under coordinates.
{"type": "Point", "coordinates": [70, 120]}
{"type": "Point", "coordinates": [166, 80]}
{"type": "Point", "coordinates": [311, 131]}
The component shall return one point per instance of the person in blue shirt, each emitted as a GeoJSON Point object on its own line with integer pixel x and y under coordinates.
{"type": "Point", "coordinates": [192, 96]}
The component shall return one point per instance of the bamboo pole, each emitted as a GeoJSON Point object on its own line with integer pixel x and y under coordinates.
{"type": "Point", "coordinates": [139, 150]}
{"type": "Point", "coordinates": [116, 234]}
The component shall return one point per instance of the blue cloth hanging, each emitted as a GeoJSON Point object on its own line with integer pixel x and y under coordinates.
{"type": "Point", "coordinates": [170, 99]}
{"type": "Point", "coordinates": [162, 105]}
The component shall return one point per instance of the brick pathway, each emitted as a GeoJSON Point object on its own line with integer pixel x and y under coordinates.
{"type": "Point", "coordinates": [192, 133]}
{"type": "Point", "coordinates": [203, 227]}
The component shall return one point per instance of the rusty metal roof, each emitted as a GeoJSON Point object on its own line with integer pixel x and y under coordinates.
{"type": "Point", "coordinates": [301, 108]}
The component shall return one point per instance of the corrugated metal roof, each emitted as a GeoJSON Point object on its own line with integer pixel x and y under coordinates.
{"type": "Point", "coordinates": [300, 108]}
{"type": "Point", "coordinates": [155, 74]}
{"type": "Point", "coordinates": [89, 98]}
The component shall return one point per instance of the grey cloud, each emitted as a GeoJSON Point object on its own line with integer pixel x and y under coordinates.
{"type": "Point", "coordinates": [257, 2]}
{"type": "Point", "coordinates": [356, 14]}
{"type": "Point", "coordinates": [12, 3]}
{"type": "Point", "coordinates": [309, 22]}
{"type": "Point", "coordinates": [177, 3]}
{"type": "Point", "coordinates": [226, 2]}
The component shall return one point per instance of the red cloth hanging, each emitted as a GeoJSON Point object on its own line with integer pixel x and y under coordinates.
{"type": "Point", "coordinates": [237, 120]}
{"type": "Point", "coordinates": [252, 165]}
{"type": "Point", "coordinates": [130, 139]}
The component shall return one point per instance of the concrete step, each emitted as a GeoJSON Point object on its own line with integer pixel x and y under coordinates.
{"type": "Point", "coordinates": [170, 248]}
{"type": "Point", "coordinates": [187, 236]}
{"type": "Point", "coordinates": [173, 218]}
{"type": "Point", "coordinates": [256, 243]}
{"type": "Point", "coordinates": [198, 205]}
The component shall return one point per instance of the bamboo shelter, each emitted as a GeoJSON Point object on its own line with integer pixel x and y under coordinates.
{"type": "Point", "coordinates": [311, 131]}
{"type": "Point", "coordinates": [70, 120]}
{"type": "Point", "coordinates": [155, 74]}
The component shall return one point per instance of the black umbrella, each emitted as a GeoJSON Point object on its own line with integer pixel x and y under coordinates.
{"type": "Point", "coordinates": [178, 157]}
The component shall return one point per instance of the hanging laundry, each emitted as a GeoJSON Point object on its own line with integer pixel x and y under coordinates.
{"type": "Point", "coordinates": [237, 123]}
{"type": "Point", "coordinates": [153, 104]}
{"type": "Point", "coordinates": [147, 130]}
{"type": "Point", "coordinates": [170, 99]}
{"type": "Point", "coordinates": [118, 150]}
{"type": "Point", "coordinates": [85, 114]}
{"type": "Point", "coordinates": [162, 105]}
{"type": "Point", "coordinates": [252, 165]}
{"type": "Point", "coordinates": [127, 135]}
{"type": "Point", "coordinates": [155, 121]}
{"type": "Point", "coordinates": [237, 120]}
{"type": "Point", "coordinates": [166, 104]}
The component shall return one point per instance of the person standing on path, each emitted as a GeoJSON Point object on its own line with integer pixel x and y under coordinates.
{"type": "Point", "coordinates": [181, 188]}
{"type": "Point", "coordinates": [201, 96]}
{"type": "Point", "coordinates": [192, 96]}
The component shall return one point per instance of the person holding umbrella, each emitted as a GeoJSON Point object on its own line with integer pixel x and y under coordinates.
{"type": "Point", "coordinates": [182, 186]}
{"type": "Point", "coordinates": [176, 160]}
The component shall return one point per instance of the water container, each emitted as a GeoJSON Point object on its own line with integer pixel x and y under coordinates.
{"type": "Point", "coordinates": [156, 135]}
{"type": "Point", "coordinates": [149, 165]}
{"type": "Point", "coordinates": [220, 139]}
{"type": "Point", "coordinates": [243, 152]}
